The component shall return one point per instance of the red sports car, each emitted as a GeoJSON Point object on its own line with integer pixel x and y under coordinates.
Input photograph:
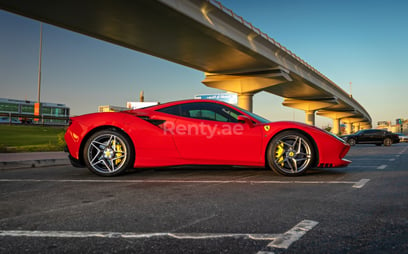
{"type": "Point", "coordinates": [198, 132]}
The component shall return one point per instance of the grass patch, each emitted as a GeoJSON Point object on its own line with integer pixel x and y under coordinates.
{"type": "Point", "coordinates": [31, 138]}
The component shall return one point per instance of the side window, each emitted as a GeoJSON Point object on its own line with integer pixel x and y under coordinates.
{"type": "Point", "coordinates": [172, 110]}
{"type": "Point", "coordinates": [209, 111]}
{"type": "Point", "coordinates": [206, 114]}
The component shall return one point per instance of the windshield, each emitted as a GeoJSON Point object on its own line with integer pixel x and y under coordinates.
{"type": "Point", "coordinates": [253, 115]}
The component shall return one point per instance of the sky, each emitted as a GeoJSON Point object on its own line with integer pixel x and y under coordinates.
{"type": "Point", "coordinates": [364, 42]}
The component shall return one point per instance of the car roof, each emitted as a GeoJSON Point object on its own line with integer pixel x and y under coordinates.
{"type": "Point", "coordinates": [180, 102]}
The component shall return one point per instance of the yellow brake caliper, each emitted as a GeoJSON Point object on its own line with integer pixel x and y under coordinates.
{"type": "Point", "coordinates": [279, 154]}
{"type": "Point", "coordinates": [118, 152]}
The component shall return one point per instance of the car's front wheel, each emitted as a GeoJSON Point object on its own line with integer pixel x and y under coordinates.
{"type": "Point", "coordinates": [108, 153]}
{"type": "Point", "coordinates": [290, 153]}
{"type": "Point", "coordinates": [387, 142]}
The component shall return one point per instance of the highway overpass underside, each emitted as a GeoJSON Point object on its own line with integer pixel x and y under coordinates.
{"type": "Point", "coordinates": [204, 35]}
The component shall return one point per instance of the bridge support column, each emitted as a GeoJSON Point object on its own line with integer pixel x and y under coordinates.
{"type": "Point", "coordinates": [310, 106]}
{"type": "Point", "coordinates": [310, 117]}
{"type": "Point", "coordinates": [247, 84]}
{"type": "Point", "coordinates": [353, 124]}
{"type": "Point", "coordinates": [356, 126]}
{"type": "Point", "coordinates": [245, 101]}
{"type": "Point", "coordinates": [349, 128]}
{"type": "Point", "coordinates": [336, 126]}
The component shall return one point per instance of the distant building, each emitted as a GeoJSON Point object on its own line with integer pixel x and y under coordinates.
{"type": "Point", "coordinates": [129, 105]}
{"type": "Point", "coordinates": [111, 108]}
{"type": "Point", "coordinates": [140, 104]}
{"type": "Point", "coordinates": [20, 111]}
{"type": "Point", "coordinates": [400, 125]}
{"type": "Point", "coordinates": [231, 98]}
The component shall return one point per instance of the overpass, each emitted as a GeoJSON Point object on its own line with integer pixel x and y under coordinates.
{"type": "Point", "coordinates": [204, 35]}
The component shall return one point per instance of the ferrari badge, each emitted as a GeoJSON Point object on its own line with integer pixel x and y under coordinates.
{"type": "Point", "coordinates": [267, 127]}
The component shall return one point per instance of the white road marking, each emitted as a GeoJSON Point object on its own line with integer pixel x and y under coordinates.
{"type": "Point", "coordinates": [178, 181]}
{"type": "Point", "coordinates": [292, 235]}
{"type": "Point", "coordinates": [282, 241]}
{"type": "Point", "coordinates": [369, 159]}
{"type": "Point", "coordinates": [404, 150]}
{"type": "Point", "coordinates": [382, 167]}
{"type": "Point", "coordinates": [360, 184]}
{"type": "Point", "coordinates": [131, 235]}
{"type": "Point", "coordinates": [358, 166]}
{"type": "Point", "coordinates": [391, 159]}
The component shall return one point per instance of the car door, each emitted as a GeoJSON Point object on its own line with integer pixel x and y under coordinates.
{"type": "Point", "coordinates": [209, 133]}
{"type": "Point", "coordinates": [366, 137]}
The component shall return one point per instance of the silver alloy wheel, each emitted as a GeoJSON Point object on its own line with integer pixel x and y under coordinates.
{"type": "Point", "coordinates": [107, 153]}
{"type": "Point", "coordinates": [387, 142]}
{"type": "Point", "coordinates": [292, 154]}
{"type": "Point", "coordinates": [351, 142]}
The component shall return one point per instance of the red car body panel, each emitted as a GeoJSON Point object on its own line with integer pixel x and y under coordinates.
{"type": "Point", "coordinates": [177, 140]}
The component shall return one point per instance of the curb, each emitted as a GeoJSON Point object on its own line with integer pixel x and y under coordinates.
{"type": "Point", "coordinates": [4, 165]}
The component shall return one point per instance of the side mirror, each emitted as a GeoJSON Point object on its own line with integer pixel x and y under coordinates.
{"type": "Point", "coordinates": [245, 120]}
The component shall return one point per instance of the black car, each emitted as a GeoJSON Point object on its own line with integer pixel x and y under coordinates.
{"type": "Point", "coordinates": [372, 136]}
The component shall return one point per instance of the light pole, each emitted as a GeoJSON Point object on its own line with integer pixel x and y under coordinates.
{"type": "Point", "coordinates": [37, 106]}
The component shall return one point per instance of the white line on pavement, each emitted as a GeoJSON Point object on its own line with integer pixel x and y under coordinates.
{"type": "Point", "coordinates": [382, 167]}
{"type": "Point", "coordinates": [404, 150]}
{"type": "Point", "coordinates": [131, 235]}
{"type": "Point", "coordinates": [293, 234]}
{"type": "Point", "coordinates": [282, 241]}
{"type": "Point", "coordinates": [360, 184]}
{"type": "Point", "coordinates": [358, 166]}
{"type": "Point", "coordinates": [178, 181]}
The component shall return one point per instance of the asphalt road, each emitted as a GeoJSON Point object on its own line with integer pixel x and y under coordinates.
{"type": "Point", "coordinates": [359, 209]}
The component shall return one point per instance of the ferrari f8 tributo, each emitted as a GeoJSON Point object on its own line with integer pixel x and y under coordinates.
{"type": "Point", "coordinates": [198, 132]}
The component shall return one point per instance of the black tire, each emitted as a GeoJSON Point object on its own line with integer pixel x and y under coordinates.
{"type": "Point", "coordinates": [290, 153]}
{"type": "Point", "coordinates": [387, 142]}
{"type": "Point", "coordinates": [351, 142]}
{"type": "Point", "coordinates": [108, 153]}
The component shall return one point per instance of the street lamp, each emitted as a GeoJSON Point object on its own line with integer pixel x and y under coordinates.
{"type": "Point", "coordinates": [37, 106]}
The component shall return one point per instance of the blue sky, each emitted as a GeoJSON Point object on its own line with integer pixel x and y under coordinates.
{"type": "Point", "coordinates": [363, 42]}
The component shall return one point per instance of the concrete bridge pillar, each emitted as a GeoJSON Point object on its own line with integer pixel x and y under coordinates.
{"type": "Point", "coordinates": [349, 128]}
{"type": "Point", "coordinates": [336, 126]}
{"type": "Point", "coordinates": [338, 116]}
{"type": "Point", "coordinates": [309, 106]}
{"type": "Point", "coordinates": [310, 117]}
{"type": "Point", "coordinates": [356, 126]}
{"type": "Point", "coordinates": [245, 101]}
{"type": "Point", "coordinates": [246, 84]}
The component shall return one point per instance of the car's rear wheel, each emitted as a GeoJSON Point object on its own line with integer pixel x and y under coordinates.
{"type": "Point", "coordinates": [387, 142]}
{"type": "Point", "coordinates": [108, 153]}
{"type": "Point", "coordinates": [351, 141]}
{"type": "Point", "coordinates": [290, 153]}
